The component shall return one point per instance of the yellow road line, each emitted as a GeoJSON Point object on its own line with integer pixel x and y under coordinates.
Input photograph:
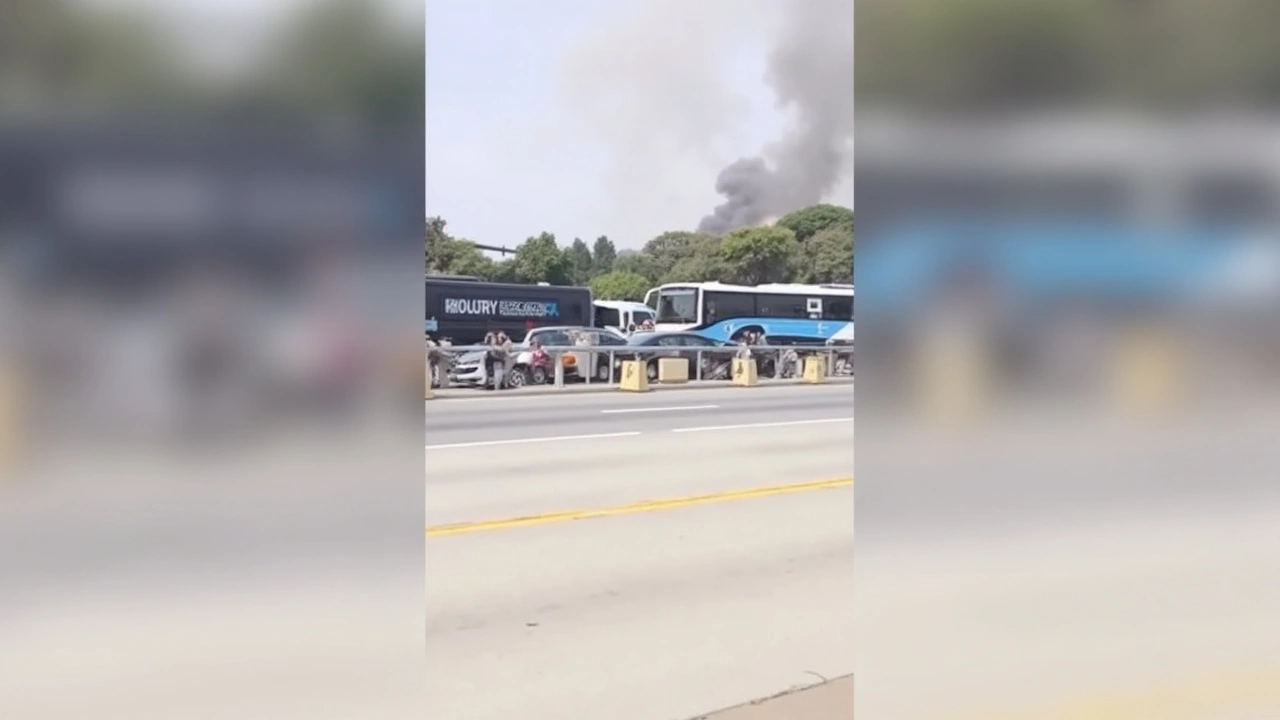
{"type": "Point", "coordinates": [1251, 692]}
{"type": "Point", "coordinates": [646, 506]}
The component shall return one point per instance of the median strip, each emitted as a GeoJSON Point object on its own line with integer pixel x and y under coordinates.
{"type": "Point", "coordinates": [645, 506]}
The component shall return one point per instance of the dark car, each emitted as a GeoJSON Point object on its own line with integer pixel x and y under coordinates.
{"type": "Point", "coordinates": [678, 344]}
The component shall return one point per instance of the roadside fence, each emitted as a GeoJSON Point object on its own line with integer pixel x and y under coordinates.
{"type": "Point", "coordinates": [629, 367]}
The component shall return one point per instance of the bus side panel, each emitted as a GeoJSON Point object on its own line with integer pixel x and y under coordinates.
{"type": "Point", "coordinates": [565, 306]}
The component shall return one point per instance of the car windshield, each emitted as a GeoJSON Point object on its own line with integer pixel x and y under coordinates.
{"type": "Point", "coordinates": [678, 306]}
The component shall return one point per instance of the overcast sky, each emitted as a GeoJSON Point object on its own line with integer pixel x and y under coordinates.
{"type": "Point", "coordinates": [590, 117]}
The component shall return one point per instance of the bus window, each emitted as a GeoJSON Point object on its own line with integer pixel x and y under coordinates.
{"type": "Point", "coordinates": [837, 308]}
{"type": "Point", "coordinates": [678, 306]}
{"type": "Point", "coordinates": [728, 305]}
{"type": "Point", "coordinates": [781, 306]}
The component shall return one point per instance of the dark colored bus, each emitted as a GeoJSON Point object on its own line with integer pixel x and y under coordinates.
{"type": "Point", "coordinates": [465, 310]}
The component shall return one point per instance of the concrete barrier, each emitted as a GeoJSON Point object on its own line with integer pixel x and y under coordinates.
{"type": "Point", "coordinates": [673, 371]}
{"type": "Point", "coordinates": [1149, 375]}
{"type": "Point", "coordinates": [815, 369]}
{"type": "Point", "coordinates": [745, 373]}
{"type": "Point", "coordinates": [634, 378]}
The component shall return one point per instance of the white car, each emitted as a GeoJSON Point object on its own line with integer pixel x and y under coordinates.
{"type": "Point", "coordinates": [470, 370]}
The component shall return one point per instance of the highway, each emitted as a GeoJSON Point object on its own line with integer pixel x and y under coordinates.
{"type": "Point", "coordinates": [639, 557]}
{"type": "Point", "coordinates": [485, 418]}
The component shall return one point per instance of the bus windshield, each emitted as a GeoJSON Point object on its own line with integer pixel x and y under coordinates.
{"type": "Point", "coordinates": [678, 305]}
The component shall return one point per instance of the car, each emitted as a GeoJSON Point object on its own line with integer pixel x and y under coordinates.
{"type": "Point", "coordinates": [685, 345]}
{"type": "Point", "coordinates": [469, 368]}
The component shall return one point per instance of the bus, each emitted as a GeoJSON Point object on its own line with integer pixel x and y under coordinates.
{"type": "Point", "coordinates": [466, 310]}
{"type": "Point", "coordinates": [798, 313]}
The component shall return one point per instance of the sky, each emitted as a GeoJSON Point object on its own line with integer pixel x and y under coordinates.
{"type": "Point", "coordinates": [589, 117]}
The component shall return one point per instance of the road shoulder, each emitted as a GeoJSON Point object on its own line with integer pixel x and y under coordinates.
{"type": "Point", "coordinates": [832, 700]}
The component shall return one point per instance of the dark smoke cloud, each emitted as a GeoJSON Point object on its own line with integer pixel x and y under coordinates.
{"type": "Point", "coordinates": [810, 70]}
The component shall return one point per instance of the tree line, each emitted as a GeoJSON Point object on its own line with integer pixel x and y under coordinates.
{"type": "Point", "coordinates": [811, 245]}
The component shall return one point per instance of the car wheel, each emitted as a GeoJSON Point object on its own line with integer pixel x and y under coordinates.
{"type": "Point", "coordinates": [603, 373]}
{"type": "Point", "coordinates": [518, 378]}
{"type": "Point", "coordinates": [538, 375]}
{"type": "Point", "coordinates": [652, 371]}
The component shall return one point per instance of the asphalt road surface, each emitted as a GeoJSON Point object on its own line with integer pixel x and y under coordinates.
{"type": "Point", "coordinates": [484, 420]}
{"type": "Point", "coordinates": [639, 557]}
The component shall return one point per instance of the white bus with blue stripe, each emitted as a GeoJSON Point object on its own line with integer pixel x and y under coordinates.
{"type": "Point", "coordinates": [799, 313]}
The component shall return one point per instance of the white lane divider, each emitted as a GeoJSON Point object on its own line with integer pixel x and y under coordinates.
{"type": "Point", "coordinates": [762, 425]}
{"type": "Point", "coordinates": [632, 433]}
{"type": "Point", "coordinates": [620, 411]}
{"type": "Point", "coordinates": [523, 441]}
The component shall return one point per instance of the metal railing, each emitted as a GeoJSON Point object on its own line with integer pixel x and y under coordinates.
{"type": "Point", "coordinates": [468, 366]}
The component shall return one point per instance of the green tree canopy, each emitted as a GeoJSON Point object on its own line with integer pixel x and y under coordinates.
{"type": "Point", "coordinates": [827, 257]}
{"type": "Point", "coordinates": [669, 248]}
{"type": "Point", "coordinates": [702, 262]}
{"type": "Point", "coordinates": [603, 253]}
{"type": "Point", "coordinates": [638, 263]}
{"type": "Point", "coordinates": [810, 221]}
{"type": "Point", "coordinates": [758, 255]}
{"type": "Point", "coordinates": [450, 256]}
{"type": "Point", "coordinates": [538, 259]}
{"type": "Point", "coordinates": [620, 285]}
{"type": "Point", "coordinates": [748, 256]}
{"type": "Point", "coordinates": [580, 261]}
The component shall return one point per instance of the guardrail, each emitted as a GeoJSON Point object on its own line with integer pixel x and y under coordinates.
{"type": "Point", "coordinates": [469, 366]}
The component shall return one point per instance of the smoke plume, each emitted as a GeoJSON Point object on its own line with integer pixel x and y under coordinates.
{"type": "Point", "coordinates": [810, 69]}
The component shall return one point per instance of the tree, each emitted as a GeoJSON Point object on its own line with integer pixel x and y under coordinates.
{"type": "Point", "coordinates": [758, 255]}
{"type": "Point", "coordinates": [538, 259]}
{"type": "Point", "coordinates": [620, 285]}
{"type": "Point", "coordinates": [505, 271]}
{"type": "Point", "coordinates": [603, 254]}
{"type": "Point", "coordinates": [581, 263]}
{"type": "Point", "coordinates": [669, 248]}
{"type": "Point", "coordinates": [638, 263]}
{"type": "Point", "coordinates": [827, 257]}
{"type": "Point", "coordinates": [701, 262]}
{"type": "Point", "coordinates": [452, 256]}
{"type": "Point", "coordinates": [807, 222]}
{"type": "Point", "coordinates": [470, 260]}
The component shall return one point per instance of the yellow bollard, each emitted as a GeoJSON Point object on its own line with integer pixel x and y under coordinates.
{"type": "Point", "coordinates": [634, 378]}
{"type": "Point", "coordinates": [744, 372]}
{"type": "Point", "coordinates": [815, 369]}
{"type": "Point", "coordinates": [1149, 374]}
{"type": "Point", "coordinates": [673, 371]}
{"type": "Point", "coordinates": [953, 379]}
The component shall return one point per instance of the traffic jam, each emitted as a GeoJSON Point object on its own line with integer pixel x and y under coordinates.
{"type": "Point", "coordinates": [501, 336]}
